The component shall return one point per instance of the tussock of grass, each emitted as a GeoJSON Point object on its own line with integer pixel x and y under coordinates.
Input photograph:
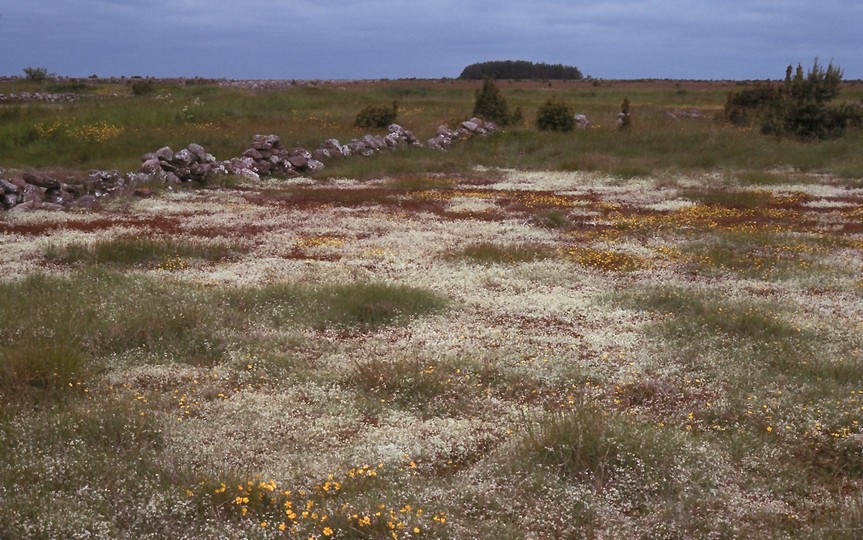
{"type": "Point", "coordinates": [605, 259]}
{"type": "Point", "coordinates": [421, 183]}
{"type": "Point", "coordinates": [588, 443]}
{"type": "Point", "coordinates": [551, 219]}
{"type": "Point", "coordinates": [57, 327]}
{"type": "Point", "coordinates": [42, 347]}
{"type": "Point", "coordinates": [761, 255]}
{"type": "Point", "coordinates": [145, 252]}
{"type": "Point", "coordinates": [372, 305]}
{"type": "Point", "coordinates": [728, 198]}
{"type": "Point", "coordinates": [691, 312]}
{"type": "Point", "coordinates": [762, 178]}
{"type": "Point", "coordinates": [364, 306]}
{"type": "Point", "coordinates": [492, 253]}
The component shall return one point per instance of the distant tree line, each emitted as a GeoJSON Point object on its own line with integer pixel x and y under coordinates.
{"type": "Point", "coordinates": [520, 69]}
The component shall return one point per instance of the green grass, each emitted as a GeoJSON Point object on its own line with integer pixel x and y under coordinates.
{"type": "Point", "coordinates": [361, 306]}
{"type": "Point", "coordinates": [43, 346]}
{"type": "Point", "coordinates": [113, 132]}
{"type": "Point", "coordinates": [587, 443]}
{"type": "Point", "coordinates": [61, 330]}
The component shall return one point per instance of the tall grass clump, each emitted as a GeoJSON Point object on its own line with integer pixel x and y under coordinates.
{"type": "Point", "coordinates": [589, 443]}
{"type": "Point", "coordinates": [360, 305]}
{"type": "Point", "coordinates": [43, 342]}
{"type": "Point", "coordinates": [371, 305]}
{"type": "Point", "coordinates": [493, 253]}
{"type": "Point", "coordinates": [137, 251]}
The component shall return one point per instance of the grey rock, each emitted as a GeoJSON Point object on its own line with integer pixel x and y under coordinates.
{"type": "Point", "coordinates": [445, 131]}
{"type": "Point", "coordinates": [198, 151]}
{"type": "Point", "coordinates": [392, 140]}
{"type": "Point", "coordinates": [314, 165]}
{"type": "Point", "coordinates": [253, 153]}
{"type": "Point", "coordinates": [25, 205]}
{"type": "Point", "coordinates": [110, 177]}
{"type": "Point", "coordinates": [263, 167]}
{"type": "Point", "coordinates": [8, 187]}
{"type": "Point", "coordinates": [581, 121]}
{"type": "Point", "coordinates": [164, 153]}
{"type": "Point", "coordinates": [470, 125]}
{"type": "Point", "coordinates": [299, 161]}
{"type": "Point", "coordinates": [9, 200]}
{"type": "Point", "coordinates": [356, 146]}
{"type": "Point", "coordinates": [151, 166]}
{"type": "Point", "coordinates": [58, 196]}
{"type": "Point", "coordinates": [41, 180]}
{"type": "Point", "coordinates": [184, 157]}
{"type": "Point", "coordinates": [266, 142]}
{"type": "Point", "coordinates": [322, 154]}
{"type": "Point", "coordinates": [299, 152]}
{"type": "Point", "coordinates": [248, 175]}
{"type": "Point", "coordinates": [200, 171]}
{"type": "Point", "coordinates": [332, 144]}
{"type": "Point", "coordinates": [84, 201]}
{"type": "Point", "coordinates": [149, 155]}
{"type": "Point", "coordinates": [33, 194]}
{"type": "Point", "coordinates": [171, 178]}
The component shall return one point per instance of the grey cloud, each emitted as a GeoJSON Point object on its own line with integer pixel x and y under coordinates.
{"type": "Point", "coordinates": [432, 38]}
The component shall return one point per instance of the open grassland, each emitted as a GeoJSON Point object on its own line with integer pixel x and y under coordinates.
{"type": "Point", "coordinates": [593, 335]}
{"type": "Point", "coordinates": [111, 128]}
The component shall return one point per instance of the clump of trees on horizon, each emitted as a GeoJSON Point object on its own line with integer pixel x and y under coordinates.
{"type": "Point", "coordinates": [520, 69]}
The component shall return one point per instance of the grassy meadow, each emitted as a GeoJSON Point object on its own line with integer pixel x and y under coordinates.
{"type": "Point", "coordinates": [598, 334]}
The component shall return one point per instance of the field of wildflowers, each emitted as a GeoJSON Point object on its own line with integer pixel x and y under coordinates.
{"type": "Point", "coordinates": [492, 353]}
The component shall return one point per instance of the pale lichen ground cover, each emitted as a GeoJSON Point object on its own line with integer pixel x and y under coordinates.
{"type": "Point", "coordinates": [650, 374]}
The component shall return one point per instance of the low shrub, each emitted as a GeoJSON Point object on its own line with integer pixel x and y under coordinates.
{"type": "Point", "coordinates": [490, 104]}
{"type": "Point", "coordinates": [377, 116]}
{"type": "Point", "coordinates": [143, 87]}
{"type": "Point", "coordinates": [555, 115]}
{"type": "Point", "coordinates": [799, 108]}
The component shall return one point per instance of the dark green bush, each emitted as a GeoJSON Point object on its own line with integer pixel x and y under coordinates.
{"type": "Point", "coordinates": [143, 87]}
{"type": "Point", "coordinates": [800, 107]}
{"type": "Point", "coordinates": [38, 74]}
{"type": "Point", "coordinates": [491, 105]}
{"type": "Point", "coordinates": [555, 115]}
{"type": "Point", "coordinates": [377, 116]}
{"type": "Point", "coordinates": [624, 119]}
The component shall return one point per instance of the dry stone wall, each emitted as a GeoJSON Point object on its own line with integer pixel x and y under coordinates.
{"type": "Point", "coordinates": [266, 156]}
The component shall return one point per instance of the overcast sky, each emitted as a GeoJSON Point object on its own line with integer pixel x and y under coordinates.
{"type": "Point", "coordinates": [351, 39]}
